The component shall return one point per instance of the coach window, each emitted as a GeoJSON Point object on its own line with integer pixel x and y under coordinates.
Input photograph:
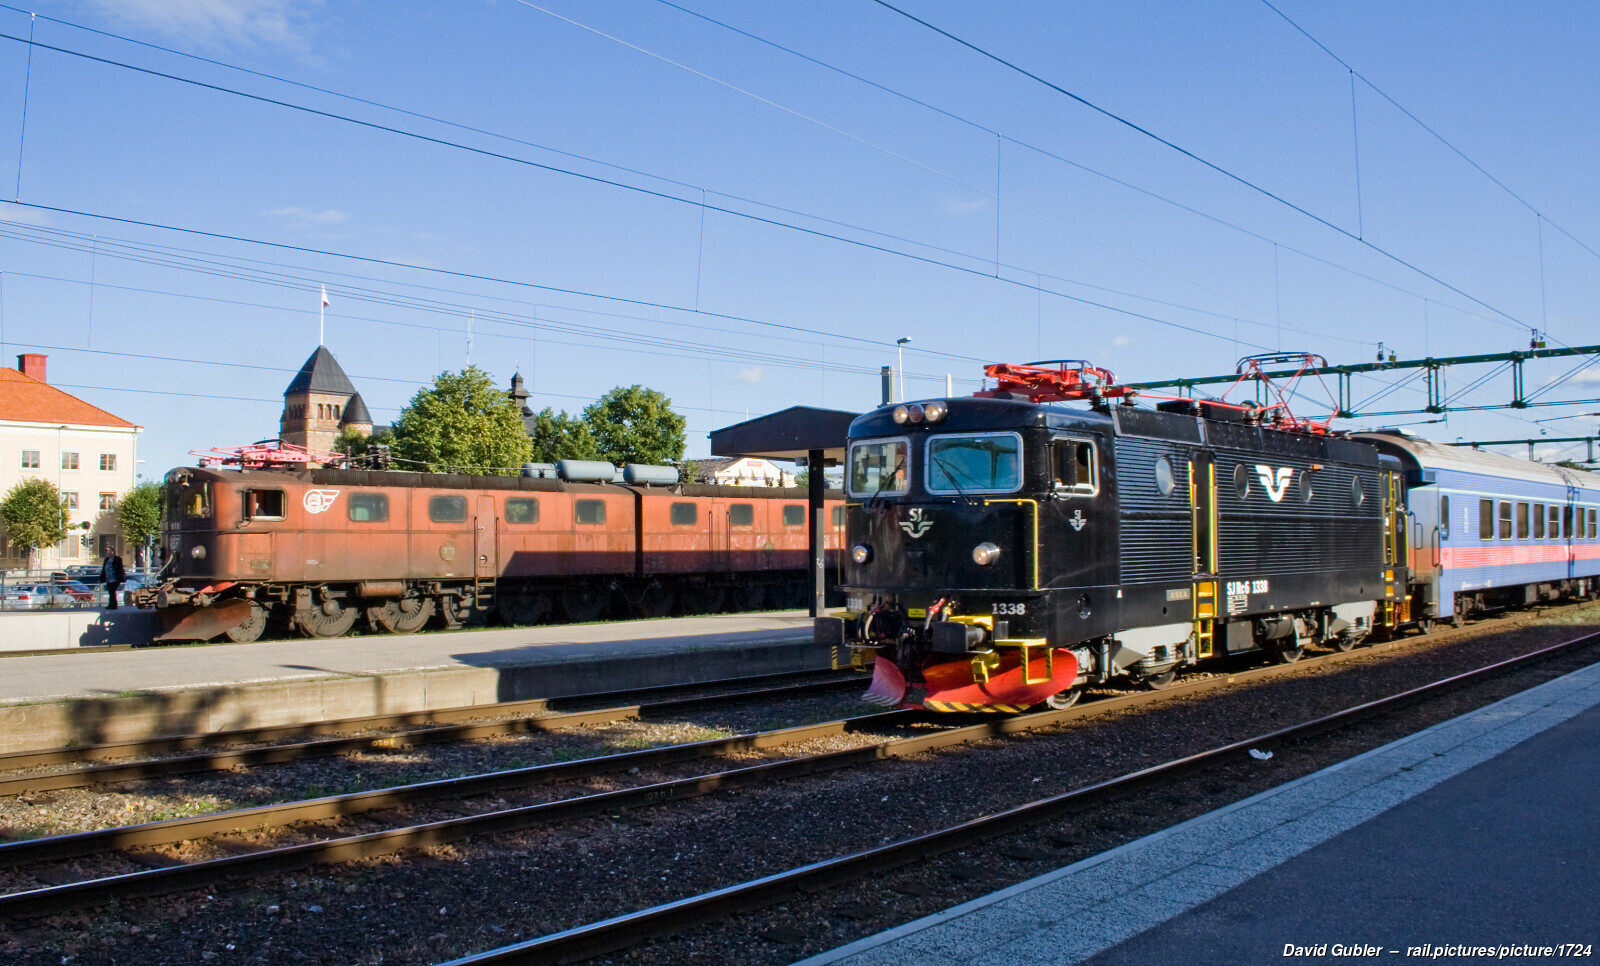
{"type": "Point", "coordinates": [589, 511]}
{"type": "Point", "coordinates": [1556, 529]}
{"type": "Point", "coordinates": [1538, 521]}
{"type": "Point", "coordinates": [522, 510]}
{"type": "Point", "coordinates": [794, 515]}
{"type": "Point", "coordinates": [447, 509]}
{"type": "Point", "coordinates": [263, 504]}
{"type": "Point", "coordinates": [369, 507]}
{"type": "Point", "coordinates": [1485, 519]}
{"type": "Point", "coordinates": [685, 514]}
{"type": "Point", "coordinates": [1522, 521]}
{"type": "Point", "coordinates": [1591, 524]}
{"type": "Point", "coordinates": [741, 515]}
{"type": "Point", "coordinates": [1505, 520]}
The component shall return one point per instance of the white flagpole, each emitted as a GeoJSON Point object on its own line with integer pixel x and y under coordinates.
{"type": "Point", "coordinates": [320, 311]}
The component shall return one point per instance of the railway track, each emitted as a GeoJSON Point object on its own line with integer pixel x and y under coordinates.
{"type": "Point", "coordinates": [630, 929]}
{"type": "Point", "coordinates": [497, 818]}
{"type": "Point", "coordinates": [394, 731]}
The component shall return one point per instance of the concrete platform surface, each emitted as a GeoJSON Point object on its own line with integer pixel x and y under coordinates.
{"type": "Point", "coordinates": [1481, 832]}
{"type": "Point", "coordinates": [55, 699]}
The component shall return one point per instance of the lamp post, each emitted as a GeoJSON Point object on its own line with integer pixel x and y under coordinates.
{"type": "Point", "coordinates": [900, 368]}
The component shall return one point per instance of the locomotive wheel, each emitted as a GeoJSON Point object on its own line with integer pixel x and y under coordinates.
{"type": "Point", "coordinates": [1160, 682]}
{"type": "Point", "coordinates": [403, 615]}
{"type": "Point", "coordinates": [1341, 642]}
{"type": "Point", "coordinates": [525, 607]}
{"type": "Point", "coordinates": [654, 600]}
{"type": "Point", "coordinates": [1288, 655]}
{"type": "Point", "coordinates": [1066, 699]}
{"type": "Point", "coordinates": [1425, 627]}
{"type": "Point", "coordinates": [749, 596]}
{"type": "Point", "coordinates": [327, 619]}
{"type": "Point", "coordinates": [449, 611]}
{"type": "Point", "coordinates": [583, 604]}
{"type": "Point", "coordinates": [1456, 620]}
{"type": "Point", "coordinates": [250, 628]}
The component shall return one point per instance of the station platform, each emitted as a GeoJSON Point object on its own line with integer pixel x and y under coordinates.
{"type": "Point", "coordinates": [52, 699]}
{"type": "Point", "coordinates": [1475, 840]}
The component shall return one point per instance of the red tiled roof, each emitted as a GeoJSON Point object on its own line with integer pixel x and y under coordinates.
{"type": "Point", "coordinates": [25, 399]}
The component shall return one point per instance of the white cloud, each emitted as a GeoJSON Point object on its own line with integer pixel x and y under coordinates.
{"type": "Point", "coordinates": [23, 216]}
{"type": "Point", "coordinates": [749, 376]}
{"type": "Point", "coordinates": [306, 218]}
{"type": "Point", "coordinates": [212, 23]}
{"type": "Point", "coordinates": [1121, 340]}
{"type": "Point", "coordinates": [960, 206]}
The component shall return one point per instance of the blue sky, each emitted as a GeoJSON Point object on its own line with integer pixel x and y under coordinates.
{"type": "Point", "coordinates": [981, 211]}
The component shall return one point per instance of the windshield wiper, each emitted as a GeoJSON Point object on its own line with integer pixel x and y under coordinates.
{"type": "Point", "coordinates": [950, 474]}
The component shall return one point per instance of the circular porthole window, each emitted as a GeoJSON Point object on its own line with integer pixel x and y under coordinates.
{"type": "Point", "coordinates": [1357, 495]}
{"type": "Point", "coordinates": [1241, 481]}
{"type": "Point", "coordinates": [1305, 487]}
{"type": "Point", "coordinates": [1164, 478]}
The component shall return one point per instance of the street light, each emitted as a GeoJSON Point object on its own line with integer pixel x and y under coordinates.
{"type": "Point", "coordinates": [900, 368]}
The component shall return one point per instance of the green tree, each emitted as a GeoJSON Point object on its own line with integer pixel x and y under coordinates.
{"type": "Point", "coordinates": [139, 513]}
{"type": "Point", "coordinates": [557, 436]}
{"type": "Point", "coordinates": [34, 515]}
{"type": "Point", "coordinates": [636, 425]}
{"type": "Point", "coordinates": [461, 424]}
{"type": "Point", "coordinates": [688, 472]}
{"type": "Point", "coordinates": [355, 444]}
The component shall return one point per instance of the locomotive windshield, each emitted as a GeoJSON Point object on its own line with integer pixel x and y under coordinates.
{"type": "Point", "coordinates": [982, 463]}
{"type": "Point", "coordinates": [879, 467]}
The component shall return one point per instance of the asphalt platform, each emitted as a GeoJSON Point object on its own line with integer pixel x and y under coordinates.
{"type": "Point", "coordinates": [1477, 840]}
{"type": "Point", "coordinates": [57, 698]}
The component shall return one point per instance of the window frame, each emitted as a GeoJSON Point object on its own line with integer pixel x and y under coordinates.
{"type": "Point", "coordinates": [578, 505]}
{"type": "Point", "coordinates": [1537, 517]}
{"type": "Point", "coordinates": [1444, 516]}
{"type": "Point", "coordinates": [928, 465]}
{"type": "Point", "coordinates": [369, 501]}
{"type": "Point", "coordinates": [801, 507]}
{"type": "Point", "coordinates": [108, 462]}
{"type": "Point", "coordinates": [249, 502]}
{"type": "Point", "coordinates": [673, 513]}
{"type": "Point", "coordinates": [1504, 519]}
{"type": "Point", "coordinates": [1486, 520]}
{"type": "Point", "coordinates": [1522, 519]}
{"type": "Point", "coordinates": [531, 501]}
{"type": "Point", "coordinates": [71, 498]}
{"type": "Point", "coordinates": [451, 500]}
{"type": "Point", "coordinates": [850, 465]}
{"type": "Point", "coordinates": [108, 501]}
{"type": "Point", "coordinates": [32, 455]}
{"type": "Point", "coordinates": [749, 508]}
{"type": "Point", "coordinates": [64, 461]}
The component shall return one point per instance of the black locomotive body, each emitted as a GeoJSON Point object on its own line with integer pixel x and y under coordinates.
{"type": "Point", "coordinates": [1006, 552]}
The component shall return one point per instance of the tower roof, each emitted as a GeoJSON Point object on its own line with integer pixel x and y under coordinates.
{"type": "Point", "coordinates": [321, 373]}
{"type": "Point", "coordinates": [355, 411]}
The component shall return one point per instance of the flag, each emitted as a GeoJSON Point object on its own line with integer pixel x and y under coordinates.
{"type": "Point", "coordinates": [324, 296]}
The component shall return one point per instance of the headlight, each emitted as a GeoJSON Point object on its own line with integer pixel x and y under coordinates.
{"type": "Point", "coordinates": [198, 552]}
{"type": "Point", "coordinates": [914, 413]}
{"type": "Point", "coordinates": [936, 410]}
{"type": "Point", "coordinates": [985, 554]}
{"type": "Point", "coordinates": [901, 414]}
{"type": "Point", "coordinates": [861, 553]}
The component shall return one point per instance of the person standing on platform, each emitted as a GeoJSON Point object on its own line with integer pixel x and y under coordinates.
{"type": "Point", "coordinates": [112, 575]}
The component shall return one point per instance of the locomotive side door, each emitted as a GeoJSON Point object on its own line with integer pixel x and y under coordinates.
{"type": "Point", "coordinates": [719, 535]}
{"type": "Point", "coordinates": [485, 554]}
{"type": "Point", "coordinates": [1203, 545]}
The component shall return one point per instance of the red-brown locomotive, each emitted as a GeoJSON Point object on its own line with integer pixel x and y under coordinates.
{"type": "Point", "coordinates": [319, 549]}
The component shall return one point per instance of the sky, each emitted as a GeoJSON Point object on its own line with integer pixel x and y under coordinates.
{"type": "Point", "coordinates": [745, 206]}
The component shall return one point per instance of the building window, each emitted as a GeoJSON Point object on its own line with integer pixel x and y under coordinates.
{"type": "Point", "coordinates": [30, 459]}
{"type": "Point", "coordinates": [108, 461]}
{"type": "Point", "coordinates": [69, 461]}
{"type": "Point", "coordinates": [108, 501]}
{"type": "Point", "coordinates": [71, 498]}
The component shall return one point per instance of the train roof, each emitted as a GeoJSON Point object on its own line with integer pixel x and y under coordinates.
{"type": "Point", "coordinates": [1426, 455]}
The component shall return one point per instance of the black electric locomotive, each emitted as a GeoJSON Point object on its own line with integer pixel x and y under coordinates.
{"type": "Point", "coordinates": [1010, 549]}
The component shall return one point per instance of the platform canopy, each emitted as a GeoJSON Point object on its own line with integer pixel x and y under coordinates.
{"type": "Point", "coordinates": [793, 433]}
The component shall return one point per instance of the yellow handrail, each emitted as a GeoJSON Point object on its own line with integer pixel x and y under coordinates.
{"type": "Point", "coordinates": [1035, 505]}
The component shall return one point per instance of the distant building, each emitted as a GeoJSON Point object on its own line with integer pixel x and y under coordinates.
{"type": "Point", "coordinates": [743, 471]}
{"type": "Point", "coordinates": [519, 395]}
{"type": "Point", "coordinates": [88, 453]}
{"type": "Point", "coordinates": [319, 403]}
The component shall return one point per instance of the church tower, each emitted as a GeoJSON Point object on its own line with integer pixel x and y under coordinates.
{"type": "Point", "coordinates": [319, 402]}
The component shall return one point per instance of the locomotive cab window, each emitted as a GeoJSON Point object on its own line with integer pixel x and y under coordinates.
{"type": "Point", "coordinates": [263, 504]}
{"type": "Point", "coordinates": [447, 509]}
{"type": "Point", "coordinates": [879, 467]}
{"type": "Point", "coordinates": [741, 515]}
{"type": "Point", "coordinates": [1072, 466]}
{"type": "Point", "coordinates": [589, 511]}
{"type": "Point", "coordinates": [198, 502]}
{"type": "Point", "coordinates": [684, 514]}
{"type": "Point", "coordinates": [369, 507]}
{"type": "Point", "coordinates": [522, 510]}
{"type": "Point", "coordinates": [794, 515]}
{"type": "Point", "coordinates": [979, 463]}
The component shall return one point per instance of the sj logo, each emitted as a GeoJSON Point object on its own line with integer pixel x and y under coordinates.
{"type": "Point", "coordinates": [915, 525]}
{"type": "Point", "coordinates": [317, 501]}
{"type": "Point", "coordinates": [1275, 484]}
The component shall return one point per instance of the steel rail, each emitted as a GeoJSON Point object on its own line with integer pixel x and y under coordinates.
{"type": "Point", "coordinates": [145, 883]}
{"type": "Point", "coordinates": [620, 932]}
{"type": "Point", "coordinates": [206, 739]}
{"type": "Point", "coordinates": [437, 734]}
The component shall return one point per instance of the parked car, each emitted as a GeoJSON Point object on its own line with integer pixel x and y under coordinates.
{"type": "Point", "coordinates": [23, 596]}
